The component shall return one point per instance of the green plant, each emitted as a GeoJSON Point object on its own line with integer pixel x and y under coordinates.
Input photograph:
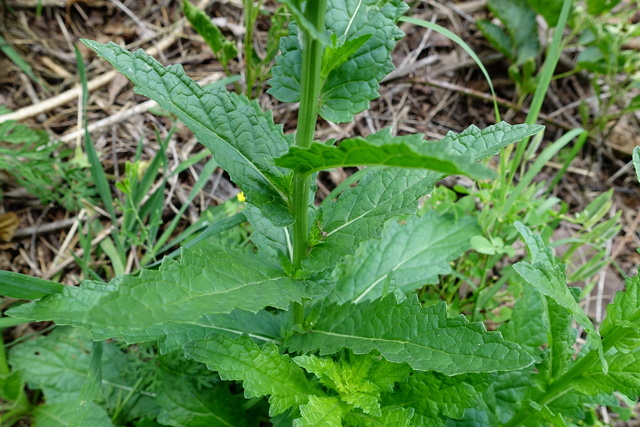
{"type": "Point", "coordinates": [323, 318]}
{"type": "Point", "coordinates": [45, 168]}
{"type": "Point", "coordinates": [256, 66]}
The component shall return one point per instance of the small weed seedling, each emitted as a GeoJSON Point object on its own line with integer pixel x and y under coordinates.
{"type": "Point", "coordinates": [322, 324]}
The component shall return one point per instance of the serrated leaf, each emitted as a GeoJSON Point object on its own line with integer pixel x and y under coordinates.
{"type": "Point", "coordinates": [623, 375]}
{"type": "Point", "coordinates": [243, 139]}
{"type": "Point", "coordinates": [350, 87]}
{"type": "Point", "coordinates": [393, 152]}
{"type": "Point", "coordinates": [415, 253]}
{"type": "Point", "coordinates": [182, 403]}
{"type": "Point", "coordinates": [392, 416]}
{"type": "Point", "coordinates": [548, 277]}
{"type": "Point", "coordinates": [624, 313]}
{"type": "Point", "coordinates": [351, 378]}
{"type": "Point", "coordinates": [263, 371]}
{"type": "Point", "coordinates": [202, 282]}
{"type": "Point", "coordinates": [361, 211]}
{"type": "Point", "coordinates": [322, 411]}
{"type": "Point", "coordinates": [423, 337]}
{"type": "Point", "coordinates": [436, 397]}
{"type": "Point", "coordinates": [60, 414]}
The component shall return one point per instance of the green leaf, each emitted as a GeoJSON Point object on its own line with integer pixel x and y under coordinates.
{"type": "Point", "coordinates": [59, 364]}
{"type": "Point", "coordinates": [497, 37]}
{"type": "Point", "coordinates": [21, 286]}
{"type": "Point", "coordinates": [222, 48]}
{"type": "Point", "coordinates": [392, 416]}
{"type": "Point", "coordinates": [636, 161]}
{"type": "Point", "coordinates": [355, 378]}
{"type": "Point", "coordinates": [243, 139]}
{"type": "Point", "coordinates": [335, 55]}
{"type": "Point", "coordinates": [413, 253]}
{"type": "Point", "coordinates": [60, 414]}
{"type": "Point", "coordinates": [520, 21]}
{"type": "Point", "coordinates": [381, 151]}
{"type": "Point", "coordinates": [184, 403]}
{"type": "Point", "coordinates": [624, 316]}
{"type": "Point", "coordinates": [549, 9]}
{"type": "Point", "coordinates": [350, 87]}
{"type": "Point", "coordinates": [263, 371]}
{"type": "Point", "coordinates": [596, 7]}
{"type": "Point", "coordinates": [623, 375]}
{"type": "Point", "coordinates": [361, 211]}
{"type": "Point", "coordinates": [527, 324]}
{"type": "Point", "coordinates": [202, 282]}
{"type": "Point", "coordinates": [423, 337]}
{"type": "Point", "coordinates": [436, 397]}
{"type": "Point", "coordinates": [548, 277]}
{"type": "Point", "coordinates": [322, 411]}
{"type": "Point", "coordinates": [562, 338]}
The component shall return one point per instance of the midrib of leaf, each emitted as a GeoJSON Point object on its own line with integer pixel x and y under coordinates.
{"type": "Point", "coordinates": [235, 331]}
{"type": "Point", "coordinates": [404, 343]}
{"type": "Point", "coordinates": [204, 405]}
{"type": "Point", "coordinates": [192, 296]}
{"type": "Point", "coordinates": [398, 265]}
{"type": "Point", "coordinates": [353, 18]}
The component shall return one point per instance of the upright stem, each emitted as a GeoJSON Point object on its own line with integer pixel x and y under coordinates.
{"type": "Point", "coordinates": [310, 86]}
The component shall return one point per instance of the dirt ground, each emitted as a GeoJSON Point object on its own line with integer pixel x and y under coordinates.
{"type": "Point", "coordinates": [436, 88]}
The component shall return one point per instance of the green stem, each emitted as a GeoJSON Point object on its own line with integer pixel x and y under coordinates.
{"type": "Point", "coordinates": [565, 383]}
{"type": "Point", "coordinates": [310, 86]}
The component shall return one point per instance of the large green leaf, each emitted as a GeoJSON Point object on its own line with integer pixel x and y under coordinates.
{"type": "Point", "coordinates": [361, 211]}
{"type": "Point", "coordinates": [436, 397]}
{"type": "Point", "coordinates": [423, 337]}
{"type": "Point", "coordinates": [381, 149]}
{"type": "Point", "coordinates": [243, 139]}
{"type": "Point", "coordinates": [413, 254]}
{"type": "Point", "coordinates": [351, 85]}
{"type": "Point", "coordinates": [263, 371]}
{"type": "Point", "coordinates": [202, 282]}
{"type": "Point", "coordinates": [548, 277]}
{"type": "Point", "coordinates": [527, 325]}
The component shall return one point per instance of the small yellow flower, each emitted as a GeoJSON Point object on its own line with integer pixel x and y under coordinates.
{"type": "Point", "coordinates": [241, 197]}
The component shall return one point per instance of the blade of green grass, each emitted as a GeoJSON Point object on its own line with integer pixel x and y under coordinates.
{"type": "Point", "coordinates": [537, 166]}
{"type": "Point", "coordinates": [455, 38]}
{"type": "Point", "coordinates": [102, 185]}
{"type": "Point", "coordinates": [15, 285]}
{"type": "Point", "coordinates": [206, 173]}
{"type": "Point", "coordinates": [15, 57]}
